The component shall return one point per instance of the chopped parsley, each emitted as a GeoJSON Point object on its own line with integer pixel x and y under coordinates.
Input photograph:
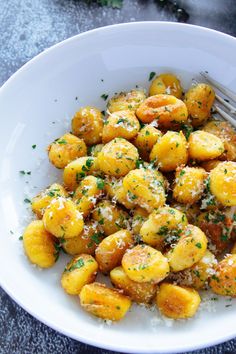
{"type": "Point", "coordinates": [100, 183]}
{"type": "Point", "coordinates": [34, 146]}
{"type": "Point", "coordinates": [22, 172]}
{"type": "Point", "coordinates": [104, 96]}
{"type": "Point", "coordinates": [77, 265]}
{"type": "Point", "coordinates": [198, 245]}
{"type": "Point", "coordinates": [182, 173]}
{"type": "Point", "coordinates": [151, 75]}
{"type": "Point", "coordinates": [26, 200]}
{"type": "Point", "coordinates": [61, 142]}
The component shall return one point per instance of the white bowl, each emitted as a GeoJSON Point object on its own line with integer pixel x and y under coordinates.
{"type": "Point", "coordinates": [36, 106]}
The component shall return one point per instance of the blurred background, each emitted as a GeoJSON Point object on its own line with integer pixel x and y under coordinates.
{"type": "Point", "coordinates": [27, 27]}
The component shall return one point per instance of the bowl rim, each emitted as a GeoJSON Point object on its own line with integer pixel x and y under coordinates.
{"type": "Point", "coordinates": [101, 343]}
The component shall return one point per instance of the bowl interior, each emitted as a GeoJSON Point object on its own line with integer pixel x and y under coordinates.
{"type": "Point", "coordinates": [36, 106]}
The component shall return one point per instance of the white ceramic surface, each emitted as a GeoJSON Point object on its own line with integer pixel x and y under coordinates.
{"type": "Point", "coordinates": [36, 105]}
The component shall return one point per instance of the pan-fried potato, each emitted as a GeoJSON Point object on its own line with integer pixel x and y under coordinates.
{"type": "Point", "coordinates": [204, 146]}
{"type": "Point", "coordinates": [190, 248]}
{"type": "Point", "coordinates": [110, 217]}
{"type": "Point", "coordinates": [110, 251]}
{"type": "Point", "coordinates": [104, 302]}
{"type": "Point", "coordinates": [138, 292]}
{"type": "Point", "coordinates": [118, 157]}
{"type": "Point", "coordinates": [199, 100]}
{"type": "Point", "coordinates": [62, 219]}
{"type": "Point", "coordinates": [167, 110]}
{"type": "Point", "coordinates": [166, 83]}
{"type": "Point", "coordinates": [223, 183]}
{"type": "Point", "coordinates": [145, 264]}
{"type": "Point", "coordinates": [223, 281]}
{"type": "Point", "coordinates": [163, 223]}
{"type": "Point", "coordinates": [66, 149]}
{"type": "Point", "coordinates": [79, 271]}
{"type": "Point", "coordinates": [170, 151]}
{"type": "Point", "coordinates": [87, 124]}
{"type": "Point", "coordinates": [177, 302]}
{"type": "Point", "coordinates": [44, 198]}
{"type": "Point", "coordinates": [39, 245]}
{"type": "Point", "coordinates": [121, 124]}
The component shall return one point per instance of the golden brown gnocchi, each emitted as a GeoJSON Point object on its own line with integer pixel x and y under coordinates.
{"type": "Point", "coordinates": [166, 84]}
{"type": "Point", "coordinates": [146, 139]}
{"type": "Point", "coordinates": [110, 251]}
{"type": "Point", "coordinates": [145, 187]}
{"type": "Point", "coordinates": [189, 184]}
{"type": "Point", "coordinates": [44, 198]}
{"type": "Point", "coordinates": [223, 281]}
{"type": "Point", "coordinates": [199, 100]}
{"type": "Point", "coordinates": [81, 270]}
{"type": "Point", "coordinates": [223, 183]}
{"type": "Point", "coordinates": [177, 302]}
{"type": "Point", "coordinates": [62, 219]}
{"type": "Point", "coordinates": [126, 101]}
{"type": "Point", "coordinates": [145, 264]}
{"type": "Point", "coordinates": [190, 248]}
{"type": "Point", "coordinates": [204, 146]}
{"type": "Point", "coordinates": [121, 124]}
{"type": "Point", "coordinates": [66, 149]}
{"type": "Point", "coordinates": [170, 151]}
{"type": "Point", "coordinates": [138, 292]}
{"type": "Point", "coordinates": [101, 301]}
{"type": "Point", "coordinates": [118, 157]}
{"type": "Point", "coordinates": [110, 217]}
{"type": "Point", "coordinates": [39, 245]}
{"type": "Point", "coordinates": [86, 194]}
{"type": "Point", "coordinates": [162, 224]}
{"type": "Point", "coordinates": [87, 124]}
{"type": "Point", "coordinates": [167, 110]}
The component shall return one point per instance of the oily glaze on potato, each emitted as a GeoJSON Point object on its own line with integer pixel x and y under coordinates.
{"type": "Point", "coordinates": [122, 124]}
{"type": "Point", "coordinates": [162, 223]}
{"type": "Point", "coordinates": [118, 157]}
{"type": "Point", "coordinates": [217, 226]}
{"type": "Point", "coordinates": [227, 134]}
{"type": "Point", "coordinates": [110, 217]}
{"type": "Point", "coordinates": [66, 149]}
{"type": "Point", "coordinates": [167, 110]}
{"type": "Point", "coordinates": [145, 264]}
{"type": "Point", "coordinates": [170, 151]}
{"type": "Point", "coordinates": [39, 245]}
{"type": "Point", "coordinates": [115, 190]}
{"type": "Point", "coordinates": [199, 100]}
{"type": "Point", "coordinates": [146, 139]}
{"type": "Point", "coordinates": [104, 302]}
{"type": "Point", "coordinates": [177, 302]}
{"type": "Point", "coordinates": [126, 101]}
{"type": "Point", "coordinates": [190, 248]}
{"type": "Point", "coordinates": [79, 271]}
{"type": "Point", "coordinates": [138, 292]}
{"type": "Point", "coordinates": [76, 170]}
{"type": "Point", "coordinates": [223, 281]}
{"type": "Point", "coordinates": [86, 242]}
{"type": "Point", "coordinates": [44, 198]}
{"type": "Point", "coordinates": [62, 219]}
{"type": "Point", "coordinates": [166, 84]}
{"type": "Point", "coordinates": [87, 124]}
{"type": "Point", "coordinates": [223, 183]}
{"type": "Point", "coordinates": [110, 251]}
{"type": "Point", "coordinates": [87, 193]}
{"type": "Point", "coordinates": [189, 184]}
{"type": "Point", "coordinates": [140, 215]}
{"type": "Point", "coordinates": [145, 187]}
{"type": "Point", "coordinates": [204, 146]}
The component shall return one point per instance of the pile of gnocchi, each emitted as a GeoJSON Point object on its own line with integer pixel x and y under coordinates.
{"type": "Point", "coordinates": [148, 198]}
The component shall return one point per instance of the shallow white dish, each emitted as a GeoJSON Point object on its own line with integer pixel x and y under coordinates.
{"type": "Point", "coordinates": [36, 106]}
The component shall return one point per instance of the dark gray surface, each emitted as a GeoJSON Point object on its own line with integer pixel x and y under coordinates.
{"type": "Point", "coordinates": [28, 27]}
